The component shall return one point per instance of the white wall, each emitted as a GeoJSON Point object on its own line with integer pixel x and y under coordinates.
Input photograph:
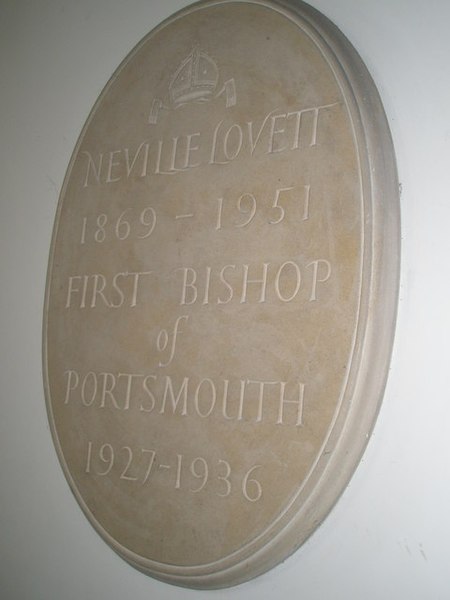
{"type": "Point", "coordinates": [388, 535]}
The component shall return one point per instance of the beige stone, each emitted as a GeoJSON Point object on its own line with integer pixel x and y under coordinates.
{"type": "Point", "coordinates": [221, 291]}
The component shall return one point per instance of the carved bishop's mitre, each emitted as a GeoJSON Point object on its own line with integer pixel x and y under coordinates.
{"type": "Point", "coordinates": [195, 79]}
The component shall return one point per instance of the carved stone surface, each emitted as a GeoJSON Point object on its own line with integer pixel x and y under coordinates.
{"type": "Point", "coordinates": [222, 289]}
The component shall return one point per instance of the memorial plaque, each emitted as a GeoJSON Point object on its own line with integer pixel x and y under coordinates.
{"type": "Point", "coordinates": [222, 290]}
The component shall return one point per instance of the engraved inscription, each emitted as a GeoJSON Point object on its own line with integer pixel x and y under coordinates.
{"type": "Point", "coordinates": [277, 132]}
{"type": "Point", "coordinates": [245, 283]}
{"type": "Point", "coordinates": [209, 291]}
{"type": "Point", "coordinates": [291, 202]}
{"type": "Point", "coordinates": [279, 402]}
{"type": "Point", "coordinates": [99, 229]}
{"type": "Point", "coordinates": [91, 291]}
{"type": "Point", "coordinates": [193, 476]}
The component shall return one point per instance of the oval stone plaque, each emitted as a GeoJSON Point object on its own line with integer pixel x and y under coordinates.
{"type": "Point", "coordinates": [222, 289]}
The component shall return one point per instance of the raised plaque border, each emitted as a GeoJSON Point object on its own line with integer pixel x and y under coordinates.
{"type": "Point", "coordinates": [376, 324]}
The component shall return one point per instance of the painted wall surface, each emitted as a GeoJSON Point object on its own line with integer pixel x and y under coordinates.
{"type": "Point", "coordinates": [388, 535]}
